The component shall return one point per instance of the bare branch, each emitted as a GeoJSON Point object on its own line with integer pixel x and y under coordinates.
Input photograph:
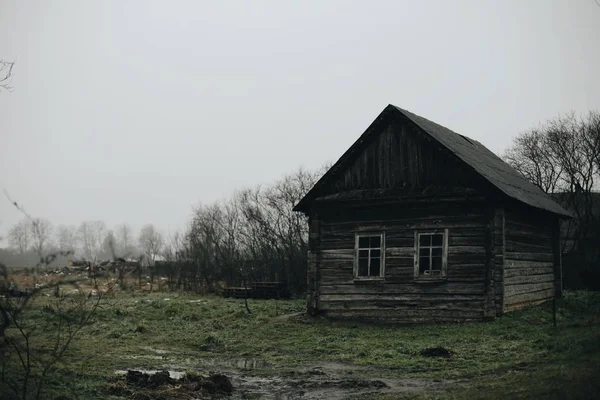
{"type": "Point", "coordinates": [6, 68]}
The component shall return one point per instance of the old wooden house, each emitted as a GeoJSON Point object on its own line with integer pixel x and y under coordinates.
{"type": "Point", "coordinates": [417, 223]}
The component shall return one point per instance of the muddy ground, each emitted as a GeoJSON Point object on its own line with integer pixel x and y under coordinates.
{"type": "Point", "coordinates": [253, 378]}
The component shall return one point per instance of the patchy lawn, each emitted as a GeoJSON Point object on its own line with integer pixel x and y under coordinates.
{"type": "Point", "coordinates": [279, 350]}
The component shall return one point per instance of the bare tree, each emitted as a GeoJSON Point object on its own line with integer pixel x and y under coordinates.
{"type": "Point", "coordinates": [5, 74]}
{"type": "Point", "coordinates": [173, 246]}
{"type": "Point", "coordinates": [124, 240]}
{"type": "Point", "coordinates": [19, 236]}
{"type": "Point", "coordinates": [532, 155]}
{"type": "Point", "coordinates": [253, 236]}
{"type": "Point", "coordinates": [109, 245]}
{"type": "Point", "coordinates": [67, 237]}
{"type": "Point", "coordinates": [41, 232]}
{"type": "Point", "coordinates": [203, 248]}
{"type": "Point", "coordinates": [562, 157]}
{"type": "Point", "coordinates": [151, 243]}
{"type": "Point", "coordinates": [91, 235]}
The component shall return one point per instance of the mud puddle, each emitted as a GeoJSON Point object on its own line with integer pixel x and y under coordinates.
{"type": "Point", "coordinates": [259, 379]}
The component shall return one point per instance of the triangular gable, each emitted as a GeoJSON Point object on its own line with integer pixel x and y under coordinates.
{"type": "Point", "coordinates": [472, 153]}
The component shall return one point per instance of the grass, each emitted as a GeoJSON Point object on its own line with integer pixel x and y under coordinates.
{"type": "Point", "coordinates": [520, 355]}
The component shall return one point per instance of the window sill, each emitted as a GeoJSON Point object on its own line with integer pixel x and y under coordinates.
{"type": "Point", "coordinates": [430, 280]}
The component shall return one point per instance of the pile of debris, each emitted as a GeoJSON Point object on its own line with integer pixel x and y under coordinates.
{"type": "Point", "coordinates": [145, 386]}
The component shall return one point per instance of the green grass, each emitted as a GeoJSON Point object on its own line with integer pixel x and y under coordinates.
{"type": "Point", "coordinates": [520, 355]}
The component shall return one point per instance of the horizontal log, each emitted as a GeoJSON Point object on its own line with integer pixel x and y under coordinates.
{"type": "Point", "coordinates": [400, 252]}
{"type": "Point", "coordinates": [408, 261]}
{"type": "Point", "coordinates": [533, 271]}
{"type": "Point", "coordinates": [399, 234]}
{"type": "Point", "coordinates": [532, 237]}
{"type": "Point", "coordinates": [399, 269]}
{"type": "Point", "coordinates": [335, 245]}
{"type": "Point", "coordinates": [514, 301]}
{"type": "Point", "coordinates": [400, 242]}
{"type": "Point", "coordinates": [467, 288]}
{"type": "Point", "coordinates": [407, 316]}
{"type": "Point", "coordinates": [336, 254]}
{"type": "Point", "coordinates": [410, 216]}
{"type": "Point", "coordinates": [455, 240]}
{"type": "Point", "coordinates": [527, 218]}
{"type": "Point", "coordinates": [516, 264]}
{"type": "Point", "coordinates": [414, 298]}
{"type": "Point", "coordinates": [511, 290]}
{"type": "Point", "coordinates": [425, 223]}
{"type": "Point", "coordinates": [405, 307]}
{"type": "Point", "coordinates": [511, 255]}
{"type": "Point", "coordinates": [523, 279]}
{"type": "Point", "coordinates": [466, 277]}
{"type": "Point", "coordinates": [347, 278]}
{"type": "Point", "coordinates": [466, 250]}
{"type": "Point", "coordinates": [513, 246]}
{"type": "Point", "coordinates": [466, 258]}
{"type": "Point", "coordinates": [336, 264]}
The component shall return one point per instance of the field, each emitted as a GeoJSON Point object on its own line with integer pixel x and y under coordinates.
{"type": "Point", "coordinates": [278, 352]}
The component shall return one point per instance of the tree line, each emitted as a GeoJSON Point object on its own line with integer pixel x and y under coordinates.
{"type": "Point", "coordinates": [32, 239]}
{"type": "Point", "coordinates": [253, 235]}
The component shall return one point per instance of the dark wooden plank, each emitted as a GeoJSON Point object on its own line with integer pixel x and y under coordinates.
{"type": "Point", "coordinates": [412, 316]}
{"type": "Point", "coordinates": [524, 279]}
{"type": "Point", "coordinates": [527, 271]}
{"type": "Point", "coordinates": [511, 290]}
{"type": "Point", "coordinates": [518, 300]}
{"type": "Point", "coordinates": [511, 255]}
{"type": "Point", "coordinates": [514, 246]}
{"type": "Point", "coordinates": [466, 288]}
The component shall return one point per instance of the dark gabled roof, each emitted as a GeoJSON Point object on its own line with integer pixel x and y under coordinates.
{"type": "Point", "coordinates": [504, 177]}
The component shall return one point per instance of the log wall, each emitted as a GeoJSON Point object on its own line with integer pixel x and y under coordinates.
{"type": "Point", "coordinates": [398, 297]}
{"type": "Point", "coordinates": [529, 260]}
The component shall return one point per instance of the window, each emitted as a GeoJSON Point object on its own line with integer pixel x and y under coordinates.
{"type": "Point", "coordinates": [431, 254]}
{"type": "Point", "coordinates": [369, 260]}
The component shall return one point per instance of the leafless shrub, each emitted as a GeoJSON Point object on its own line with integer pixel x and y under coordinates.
{"type": "Point", "coordinates": [253, 236]}
{"type": "Point", "coordinates": [28, 317]}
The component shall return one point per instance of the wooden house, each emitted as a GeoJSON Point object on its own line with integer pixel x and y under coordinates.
{"type": "Point", "coordinates": [417, 223]}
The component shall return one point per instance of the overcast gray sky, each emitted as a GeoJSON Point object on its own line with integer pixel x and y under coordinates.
{"type": "Point", "coordinates": [134, 111]}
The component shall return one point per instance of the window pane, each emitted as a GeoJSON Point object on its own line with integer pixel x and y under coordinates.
{"type": "Point", "coordinates": [424, 240]}
{"type": "Point", "coordinates": [363, 253]}
{"type": "Point", "coordinates": [375, 266]}
{"type": "Point", "coordinates": [437, 239]}
{"type": "Point", "coordinates": [375, 253]}
{"type": "Point", "coordinates": [363, 242]}
{"type": "Point", "coordinates": [436, 252]}
{"type": "Point", "coordinates": [436, 263]}
{"type": "Point", "coordinates": [375, 241]}
{"type": "Point", "coordinates": [363, 266]}
{"type": "Point", "coordinates": [423, 264]}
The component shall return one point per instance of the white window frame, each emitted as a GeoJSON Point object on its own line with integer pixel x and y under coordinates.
{"type": "Point", "coordinates": [381, 249]}
{"type": "Point", "coordinates": [444, 247]}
